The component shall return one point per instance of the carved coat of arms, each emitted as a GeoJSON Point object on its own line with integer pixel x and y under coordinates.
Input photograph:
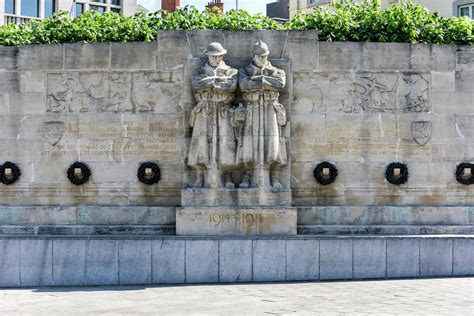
{"type": "Point", "coordinates": [421, 131]}
{"type": "Point", "coordinates": [53, 132]}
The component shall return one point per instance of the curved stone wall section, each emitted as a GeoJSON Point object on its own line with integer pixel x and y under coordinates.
{"type": "Point", "coordinates": [359, 106]}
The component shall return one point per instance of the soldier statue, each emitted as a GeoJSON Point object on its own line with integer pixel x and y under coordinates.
{"type": "Point", "coordinates": [262, 144]}
{"type": "Point", "coordinates": [213, 142]}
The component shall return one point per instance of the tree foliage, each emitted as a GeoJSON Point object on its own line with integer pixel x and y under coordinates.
{"type": "Point", "coordinates": [404, 23]}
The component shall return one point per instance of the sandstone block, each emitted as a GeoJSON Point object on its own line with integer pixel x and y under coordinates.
{"type": "Point", "coordinates": [442, 81]}
{"type": "Point", "coordinates": [369, 259]}
{"type": "Point", "coordinates": [202, 261]}
{"type": "Point", "coordinates": [8, 58]}
{"type": "Point", "coordinates": [87, 56]}
{"type": "Point", "coordinates": [463, 257]}
{"type": "Point", "coordinates": [443, 58]}
{"type": "Point", "coordinates": [465, 58]}
{"type": "Point", "coordinates": [225, 221]}
{"type": "Point", "coordinates": [302, 260]}
{"type": "Point", "coordinates": [134, 55]}
{"type": "Point", "coordinates": [335, 259]}
{"type": "Point", "coordinates": [302, 49]}
{"type": "Point", "coordinates": [235, 260]}
{"type": "Point", "coordinates": [269, 260]}
{"type": "Point", "coordinates": [36, 262]}
{"type": "Point", "coordinates": [135, 262]}
{"type": "Point", "coordinates": [403, 258]}
{"type": "Point", "coordinates": [40, 57]}
{"type": "Point", "coordinates": [375, 56]}
{"type": "Point", "coordinates": [436, 257]}
{"type": "Point", "coordinates": [173, 49]}
{"type": "Point", "coordinates": [69, 262]}
{"type": "Point", "coordinates": [9, 263]}
{"type": "Point", "coordinates": [420, 56]}
{"type": "Point", "coordinates": [101, 262]}
{"type": "Point", "coordinates": [168, 263]}
{"type": "Point", "coordinates": [32, 81]}
{"type": "Point", "coordinates": [340, 55]}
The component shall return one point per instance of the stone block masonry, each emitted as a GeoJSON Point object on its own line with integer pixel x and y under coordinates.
{"type": "Point", "coordinates": [358, 105]}
{"type": "Point", "coordinates": [54, 261]}
{"type": "Point", "coordinates": [280, 105]}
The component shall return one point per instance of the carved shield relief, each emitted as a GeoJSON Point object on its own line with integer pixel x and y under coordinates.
{"type": "Point", "coordinates": [421, 131]}
{"type": "Point", "coordinates": [53, 132]}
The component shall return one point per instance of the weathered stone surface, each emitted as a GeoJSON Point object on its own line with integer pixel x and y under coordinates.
{"type": "Point", "coordinates": [375, 56]}
{"type": "Point", "coordinates": [269, 260]}
{"type": "Point", "coordinates": [242, 198]}
{"type": "Point", "coordinates": [369, 259]}
{"type": "Point", "coordinates": [87, 56]}
{"type": "Point", "coordinates": [463, 257]}
{"type": "Point", "coordinates": [36, 262]}
{"type": "Point", "coordinates": [102, 262]}
{"type": "Point", "coordinates": [297, 43]}
{"type": "Point", "coordinates": [40, 57]}
{"type": "Point", "coordinates": [443, 57]}
{"type": "Point", "coordinates": [134, 265]}
{"type": "Point", "coordinates": [37, 215]}
{"type": "Point", "coordinates": [302, 260]}
{"type": "Point", "coordinates": [173, 49]}
{"type": "Point", "coordinates": [225, 221]}
{"type": "Point", "coordinates": [340, 55]}
{"type": "Point", "coordinates": [335, 259]}
{"type": "Point", "coordinates": [69, 262]}
{"type": "Point", "coordinates": [436, 257]}
{"type": "Point", "coordinates": [168, 261]}
{"type": "Point", "coordinates": [9, 82]}
{"type": "Point", "coordinates": [9, 58]}
{"type": "Point", "coordinates": [465, 58]}
{"type": "Point", "coordinates": [126, 56]}
{"type": "Point", "coordinates": [235, 260]}
{"type": "Point", "coordinates": [202, 259]}
{"type": "Point", "coordinates": [420, 56]}
{"type": "Point", "coordinates": [9, 263]}
{"type": "Point", "coordinates": [403, 258]}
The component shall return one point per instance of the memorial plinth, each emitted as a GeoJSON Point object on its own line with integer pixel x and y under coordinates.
{"type": "Point", "coordinates": [235, 221]}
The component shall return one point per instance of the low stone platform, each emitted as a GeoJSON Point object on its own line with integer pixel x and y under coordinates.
{"type": "Point", "coordinates": [80, 261]}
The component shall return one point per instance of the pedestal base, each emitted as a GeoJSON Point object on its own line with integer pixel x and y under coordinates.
{"type": "Point", "coordinates": [225, 221]}
{"type": "Point", "coordinates": [236, 197]}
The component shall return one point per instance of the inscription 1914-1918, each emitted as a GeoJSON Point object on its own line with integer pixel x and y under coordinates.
{"type": "Point", "coordinates": [244, 218]}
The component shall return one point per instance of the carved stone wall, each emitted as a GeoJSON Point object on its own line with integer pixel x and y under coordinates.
{"type": "Point", "coordinates": [359, 106]}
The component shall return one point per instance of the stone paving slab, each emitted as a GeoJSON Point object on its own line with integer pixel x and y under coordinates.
{"type": "Point", "coordinates": [454, 296]}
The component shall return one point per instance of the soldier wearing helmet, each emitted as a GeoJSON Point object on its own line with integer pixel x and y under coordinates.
{"type": "Point", "coordinates": [263, 145]}
{"type": "Point", "coordinates": [213, 143]}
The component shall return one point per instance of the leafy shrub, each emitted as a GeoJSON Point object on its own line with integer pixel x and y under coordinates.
{"type": "Point", "coordinates": [405, 23]}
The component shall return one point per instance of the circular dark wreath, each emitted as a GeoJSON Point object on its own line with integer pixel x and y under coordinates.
{"type": "Point", "coordinates": [460, 173]}
{"type": "Point", "coordinates": [397, 179]}
{"type": "Point", "coordinates": [152, 178]}
{"type": "Point", "coordinates": [15, 173]}
{"type": "Point", "coordinates": [86, 173]}
{"type": "Point", "coordinates": [325, 179]}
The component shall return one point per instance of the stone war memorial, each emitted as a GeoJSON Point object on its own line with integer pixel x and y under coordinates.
{"type": "Point", "coordinates": [235, 156]}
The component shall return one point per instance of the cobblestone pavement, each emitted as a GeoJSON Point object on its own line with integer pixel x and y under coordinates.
{"type": "Point", "coordinates": [452, 297]}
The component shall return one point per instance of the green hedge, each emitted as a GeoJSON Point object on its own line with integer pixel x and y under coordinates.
{"type": "Point", "coordinates": [405, 23]}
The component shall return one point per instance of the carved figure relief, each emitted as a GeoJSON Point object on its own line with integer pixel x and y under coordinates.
{"type": "Point", "coordinates": [262, 143]}
{"type": "Point", "coordinates": [247, 137]}
{"type": "Point", "coordinates": [73, 92]}
{"type": "Point", "coordinates": [421, 131]}
{"type": "Point", "coordinates": [213, 142]}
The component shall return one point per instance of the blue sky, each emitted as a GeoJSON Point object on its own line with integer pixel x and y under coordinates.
{"type": "Point", "coordinates": [253, 6]}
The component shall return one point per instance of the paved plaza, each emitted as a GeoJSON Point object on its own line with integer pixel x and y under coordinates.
{"type": "Point", "coordinates": [454, 296]}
